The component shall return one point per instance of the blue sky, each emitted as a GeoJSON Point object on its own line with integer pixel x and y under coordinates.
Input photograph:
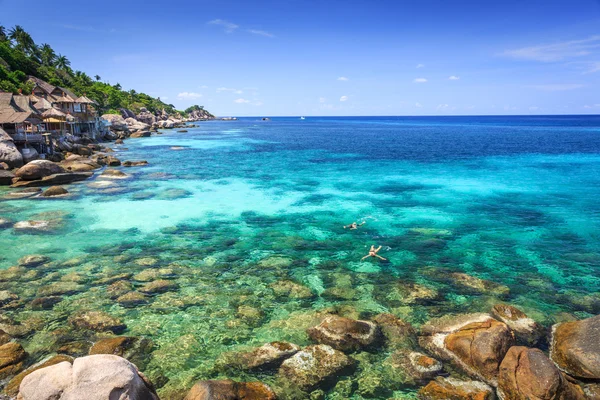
{"type": "Point", "coordinates": [334, 57]}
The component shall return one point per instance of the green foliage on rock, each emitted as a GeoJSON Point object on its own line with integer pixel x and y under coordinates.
{"type": "Point", "coordinates": [20, 57]}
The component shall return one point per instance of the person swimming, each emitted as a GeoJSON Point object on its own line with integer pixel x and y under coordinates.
{"type": "Point", "coordinates": [373, 253]}
{"type": "Point", "coordinates": [354, 225]}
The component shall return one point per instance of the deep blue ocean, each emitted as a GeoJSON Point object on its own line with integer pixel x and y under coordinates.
{"type": "Point", "coordinates": [231, 212]}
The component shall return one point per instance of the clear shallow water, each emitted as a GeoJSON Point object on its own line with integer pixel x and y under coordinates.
{"type": "Point", "coordinates": [247, 204]}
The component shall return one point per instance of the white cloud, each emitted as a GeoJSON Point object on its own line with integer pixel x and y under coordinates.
{"type": "Point", "coordinates": [418, 105]}
{"type": "Point", "coordinates": [241, 101]}
{"type": "Point", "coordinates": [556, 51]}
{"type": "Point", "coordinates": [229, 27]}
{"type": "Point", "coordinates": [454, 77]}
{"type": "Point", "coordinates": [420, 80]}
{"type": "Point", "coordinates": [420, 65]}
{"type": "Point", "coordinates": [556, 87]}
{"type": "Point", "coordinates": [189, 95]}
{"type": "Point", "coordinates": [203, 87]}
{"type": "Point", "coordinates": [441, 107]}
{"type": "Point", "coordinates": [261, 33]}
{"type": "Point", "coordinates": [343, 98]}
{"type": "Point", "coordinates": [322, 99]}
{"type": "Point", "coordinates": [232, 90]}
{"type": "Point", "coordinates": [342, 78]}
{"type": "Point", "coordinates": [592, 106]}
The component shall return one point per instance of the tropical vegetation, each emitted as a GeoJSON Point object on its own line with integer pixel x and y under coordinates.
{"type": "Point", "coordinates": [21, 57]}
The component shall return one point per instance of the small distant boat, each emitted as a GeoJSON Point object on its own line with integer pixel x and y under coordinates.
{"type": "Point", "coordinates": [266, 119]}
{"type": "Point", "coordinates": [302, 118]}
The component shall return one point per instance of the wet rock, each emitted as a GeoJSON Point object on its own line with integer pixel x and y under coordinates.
{"type": "Point", "coordinates": [147, 261]}
{"type": "Point", "coordinates": [291, 289]}
{"type": "Point", "coordinates": [132, 299]}
{"type": "Point", "coordinates": [45, 303]}
{"type": "Point", "coordinates": [5, 223]}
{"type": "Point", "coordinates": [455, 389]}
{"type": "Point", "coordinates": [315, 366]}
{"type": "Point", "coordinates": [11, 359]}
{"type": "Point", "coordinates": [9, 154]}
{"type": "Point", "coordinates": [575, 347]}
{"type": "Point", "coordinates": [526, 330]}
{"type": "Point", "coordinates": [140, 134]}
{"type": "Point", "coordinates": [12, 388]}
{"type": "Point", "coordinates": [158, 286]}
{"type": "Point", "coordinates": [528, 374]}
{"type": "Point", "coordinates": [23, 194]}
{"type": "Point", "coordinates": [340, 293]}
{"type": "Point", "coordinates": [397, 333]}
{"type": "Point", "coordinates": [267, 356]}
{"type": "Point", "coordinates": [113, 161]}
{"type": "Point", "coordinates": [55, 191]}
{"type": "Point", "coordinates": [7, 297]}
{"type": "Point", "coordinates": [345, 334]}
{"type": "Point", "coordinates": [114, 174]}
{"type": "Point", "coordinates": [33, 260]}
{"type": "Point", "coordinates": [6, 178]}
{"type": "Point", "coordinates": [38, 169]}
{"type": "Point", "coordinates": [93, 377]}
{"type": "Point", "coordinates": [478, 285]}
{"type": "Point", "coordinates": [135, 163]}
{"type": "Point", "coordinates": [80, 165]}
{"type": "Point", "coordinates": [476, 343]}
{"type": "Point", "coordinates": [97, 321]}
{"type": "Point", "coordinates": [4, 337]}
{"type": "Point", "coordinates": [230, 390]}
{"type": "Point", "coordinates": [119, 141]}
{"type": "Point", "coordinates": [411, 367]}
{"type": "Point", "coordinates": [151, 274]}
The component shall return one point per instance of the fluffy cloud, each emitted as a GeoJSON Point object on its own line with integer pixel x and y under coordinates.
{"type": "Point", "coordinates": [442, 107]}
{"type": "Point", "coordinates": [241, 101]}
{"type": "Point", "coordinates": [453, 77]}
{"type": "Point", "coordinates": [420, 80]}
{"type": "Point", "coordinates": [188, 95]}
{"type": "Point", "coordinates": [229, 27]}
{"type": "Point", "coordinates": [343, 98]}
{"type": "Point", "coordinates": [342, 78]}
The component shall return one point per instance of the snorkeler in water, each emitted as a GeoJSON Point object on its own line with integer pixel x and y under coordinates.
{"type": "Point", "coordinates": [354, 225]}
{"type": "Point", "coordinates": [373, 253]}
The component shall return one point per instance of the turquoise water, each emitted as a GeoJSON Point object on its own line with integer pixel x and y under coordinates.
{"type": "Point", "coordinates": [229, 210]}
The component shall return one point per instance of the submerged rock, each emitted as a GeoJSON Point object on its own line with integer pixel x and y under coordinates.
{"type": "Point", "coordinates": [397, 333]}
{"type": "Point", "coordinates": [455, 389]}
{"type": "Point", "coordinates": [345, 334]}
{"type": "Point", "coordinates": [56, 179]}
{"type": "Point", "coordinates": [409, 367]}
{"type": "Point", "coordinates": [476, 343]}
{"type": "Point", "coordinates": [97, 377]}
{"type": "Point", "coordinates": [97, 321]}
{"type": "Point", "coordinates": [267, 356]}
{"type": "Point", "coordinates": [526, 330]}
{"type": "Point", "coordinates": [135, 163]}
{"type": "Point", "coordinates": [134, 349]}
{"type": "Point", "coordinates": [291, 289]}
{"type": "Point", "coordinates": [315, 366]}
{"type": "Point", "coordinates": [411, 293]}
{"type": "Point", "coordinates": [478, 285]}
{"type": "Point", "coordinates": [158, 286]}
{"type": "Point", "coordinates": [45, 303]}
{"type": "Point", "coordinates": [132, 299]}
{"type": "Point", "coordinates": [34, 226]}
{"type": "Point", "coordinates": [575, 347]}
{"type": "Point", "coordinates": [33, 260]}
{"type": "Point", "coordinates": [230, 390]}
{"type": "Point", "coordinates": [114, 174]}
{"type": "Point", "coordinates": [528, 374]}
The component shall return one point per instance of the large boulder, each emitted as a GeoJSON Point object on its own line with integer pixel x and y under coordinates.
{"type": "Point", "coordinates": [55, 179]}
{"type": "Point", "coordinates": [97, 377]}
{"type": "Point", "coordinates": [6, 177]}
{"type": "Point", "coordinates": [575, 347]}
{"type": "Point", "coordinates": [230, 390]}
{"type": "Point", "coordinates": [267, 356]}
{"type": "Point", "coordinates": [314, 366]}
{"type": "Point", "coordinates": [455, 389]}
{"type": "Point", "coordinates": [135, 125]}
{"type": "Point", "coordinates": [526, 330]}
{"type": "Point", "coordinates": [38, 169]}
{"type": "Point", "coordinates": [397, 333]}
{"type": "Point", "coordinates": [8, 151]}
{"type": "Point", "coordinates": [115, 122]}
{"type": "Point", "coordinates": [476, 343]}
{"type": "Point", "coordinates": [478, 285]}
{"type": "Point", "coordinates": [29, 154]}
{"type": "Point", "coordinates": [12, 387]}
{"type": "Point", "coordinates": [11, 359]}
{"type": "Point", "coordinates": [345, 334]}
{"type": "Point", "coordinates": [55, 191]}
{"type": "Point", "coordinates": [140, 134]}
{"type": "Point", "coordinates": [528, 374]}
{"type": "Point", "coordinates": [146, 117]}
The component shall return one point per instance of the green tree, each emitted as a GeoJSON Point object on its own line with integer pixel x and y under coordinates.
{"type": "Point", "coordinates": [47, 55]}
{"type": "Point", "coordinates": [97, 77]}
{"type": "Point", "coordinates": [62, 62]}
{"type": "Point", "coordinates": [22, 39]}
{"type": "Point", "coordinates": [3, 36]}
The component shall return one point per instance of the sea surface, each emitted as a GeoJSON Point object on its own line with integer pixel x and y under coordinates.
{"type": "Point", "coordinates": [245, 220]}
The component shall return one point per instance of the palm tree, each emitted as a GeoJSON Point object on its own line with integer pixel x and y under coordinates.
{"type": "Point", "coordinates": [97, 77]}
{"type": "Point", "coordinates": [3, 36]}
{"type": "Point", "coordinates": [62, 62]}
{"type": "Point", "coordinates": [47, 55]}
{"type": "Point", "coordinates": [22, 39]}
